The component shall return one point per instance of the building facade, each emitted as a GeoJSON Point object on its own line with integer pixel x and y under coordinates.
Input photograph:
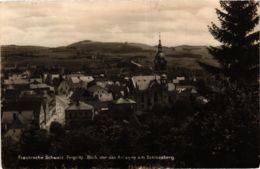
{"type": "Point", "coordinates": [78, 115]}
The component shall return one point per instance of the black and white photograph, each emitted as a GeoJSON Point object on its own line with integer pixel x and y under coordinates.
{"type": "Point", "coordinates": [134, 84]}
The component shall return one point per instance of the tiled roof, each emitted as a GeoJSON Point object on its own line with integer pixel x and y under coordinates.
{"type": "Point", "coordinates": [15, 136]}
{"type": "Point", "coordinates": [76, 78]}
{"type": "Point", "coordinates": [104, 84]}
{"type": "Point", "coordinates": [15, 81]}
{"type": "Point", "coordinates": [24, 117]}
{"type": "Point", "coordinates": [142, 82]}
{"type": "Point", "coordinates": [95, 88]}
{"type": "Point", "coordinates": [7, 116]}
{"type": "Point", "coordinates": [41, 85]}
{"type": "Point", "coordinates": [105, 97]}
{"type": "Point", "coordinates": [33, 80]}
{"type": "Point", "coordinates": [98, 105]}
{"type": "Point", "coordinates": [124, 101]}
{"type": "Point", "coordinates": [32, 103]}
{"type": "Point", "coordinates": [86, 78]}
{"type": "Point", "coordinates": [180, 78]}
{"type": "Point", "coordinates": [54, 76]}
{"type": "Point", "coordinates": [185, 87]}
{"type": "Point", "coordinates": [80, 106]}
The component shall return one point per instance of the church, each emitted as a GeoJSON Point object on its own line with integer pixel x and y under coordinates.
{"type": "Point", "coordinates": [149, 90]}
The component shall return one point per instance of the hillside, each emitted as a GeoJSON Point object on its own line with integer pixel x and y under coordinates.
{"type": "Point", "coordinates": [95, 53]}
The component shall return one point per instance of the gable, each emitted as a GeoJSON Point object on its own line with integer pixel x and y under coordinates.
{"type": "Point", "coordinates": [143, 82]}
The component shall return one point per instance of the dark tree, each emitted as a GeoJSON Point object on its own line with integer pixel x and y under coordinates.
{"type": "Point", "coordinates": [238, 53]}
{"type": "Point", "coordinates": [225, 132]}
{"type": "Point", "coordinates": [57, 129]}
{"type": "Point", "coordinates": [35, 142]}
{"type": "Point", "coordinates": [10, 151]}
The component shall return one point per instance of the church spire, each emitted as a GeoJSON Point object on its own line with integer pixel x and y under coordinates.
{"type": "Point", "coordinates": [160, 64]}
{"type": "Point", "coordinates": [159, 45]}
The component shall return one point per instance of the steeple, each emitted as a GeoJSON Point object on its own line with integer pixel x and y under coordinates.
{"type": "Point", "coordinates": [160, 64]}
{"type": "Point", "coordinates": [159, 45]}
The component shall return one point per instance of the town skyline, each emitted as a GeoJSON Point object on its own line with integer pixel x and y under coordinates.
{"type": "Point", "coordinates": [56, 23]}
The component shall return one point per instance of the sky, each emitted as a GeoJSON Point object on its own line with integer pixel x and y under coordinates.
{"type": "Point", "coordinates": [55, 23]}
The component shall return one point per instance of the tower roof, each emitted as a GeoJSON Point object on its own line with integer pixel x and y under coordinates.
{"type": "Point", "coordinates": [159, 53]}
{"type": "Point", "coordinates": [160, 64]}
{"type": "Point", "coordinates": [160, 44]}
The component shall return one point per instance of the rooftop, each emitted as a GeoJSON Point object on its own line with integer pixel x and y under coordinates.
{"type": "Point", "coordinates": [15, 81]}
{"type": "Point", "coordinates": [142, 82]}
{"type": "Point", "coordinates": [124, 101]}
{"type": "Point", "coordinates": [95, 88]}
{"type": "Point", "coordinates": [80, 106]}
{"type": "Point", "coordinates": [76, 78]}
{"type": "Point", "coordinates": [23, 117]}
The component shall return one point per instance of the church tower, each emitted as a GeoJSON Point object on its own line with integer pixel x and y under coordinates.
{"type": "Point", "coordinates": [160, 64]}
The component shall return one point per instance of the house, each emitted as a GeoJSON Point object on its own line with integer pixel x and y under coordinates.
{"type": "Point", "coordinates": [9, 68]}
{"type": "Point", "coordinates": [187, 92]}
{"type": "Point", "coordinates": [37, 104]}
{"type": "Point", "coordinates": [99, 107]}
{"type": "Point", "coordinates": [122, 107]}
{"type": "Point", "coordinates": [16, 83]}
{"type": "Point", "coordinates": [50, 78]}
{"type": "Point", "coordinates": [62, 103]}
{"type": "Point", "coordinates": [71, 82]}
{"type": "Point", "coordinates": [13, 92]}
{"type": "Point", "coordinates": [13, 132]}
{"type": "Point", "coordinates": [118, 90]}
{"type": "Point", "coordinates": [35, 80]}
{"type": "Point", "coordinates": [100, 93]}
{"type": "Point", "coordinates": [41, 87]}
{"type": "Point", "coordinates": [175, 81]}
{"type": "Point", "coordinates": [181, 88]}
{"type": "Point", "coordinates": [28, 111]}
{"type": "Point", "coordinates": [202, 100]}
{"type": "Point", "coordinates": [180, 78]}
{"type": "Point", "coordinates": [78, 115]}
{"type": "Point", "coordinates": [150, 90]}
{"type": "Point", "coordinates": [63, 88]}
{"type": "Point", "coordinates": [104, 83]}
{"type": "Point", "coordinates": [78, 80]}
